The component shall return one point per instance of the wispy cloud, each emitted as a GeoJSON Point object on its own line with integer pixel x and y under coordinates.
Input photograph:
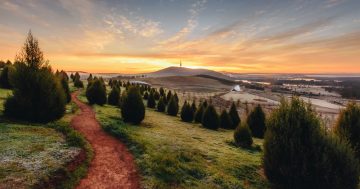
{"type": "Point", "coordinates": [137, 25]}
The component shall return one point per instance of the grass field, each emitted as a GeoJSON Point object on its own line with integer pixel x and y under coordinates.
{"type": "Point", "coordinates": [173, 153]}
{"type": "Point", "coordinates": [31, 153]}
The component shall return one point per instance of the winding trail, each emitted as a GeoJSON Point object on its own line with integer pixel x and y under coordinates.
{"type": "Point", "coordinates": [112, 166]}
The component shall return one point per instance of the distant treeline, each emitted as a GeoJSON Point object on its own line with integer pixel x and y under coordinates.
{"type": "Point", "coordinates": [304, 82]}
{"type": "Point", "coordinates": [349, 89]}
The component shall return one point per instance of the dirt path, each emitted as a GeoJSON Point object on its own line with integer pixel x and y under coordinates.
{"type": "Point", "coordinates": [112, 166]}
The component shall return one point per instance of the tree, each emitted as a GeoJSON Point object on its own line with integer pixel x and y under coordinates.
{"type": "Point", "coordinates": [348, 126]}
{"type": "Point", "coordinates": [4, 77]}
{"type": "Point", "coordinates": [173, 107]}
{"type": "Point", "coordinates": [176, 97]}
{"type": "Point", "coordinates": [37, 92]}
{"type": "Point", "coordinates": [242, 136]}
{"type": "Point", "coordinates": [65, 86]}
{"type": "Point", "coordinates": [90, 78]}
{"type": "Point", "coordinates": [199, 114]}
{"type": "Point", "coordinates": [156, 95]}
{"type": "Point", "coordinates": [168, 96]}
{"type": "Point", "coordinates": [162, 91]}
{"type": "Point", "coordinates": [161, 105]}
{"type": "Point", "coordinates": [96, 93]}
{"type": "Point", "coordinates": [133, 108]}
{"type": "Point", "coordinates": [193, 107]}
{"type": "Point", "coordinates": [298, 153]}
{"type": "Point", "coordinates": [256, 122]}
{"type": "Point", "coordinates": [114, 96]}
{"type": "Point", "coordinates": [78, 83]}
{"type": "Point", "coordinates": [186, 113]}
{"type": "Point", "coordinates": [225, 120]}
{"type": "Point", "coordinates": [146, 95]}
{"type": "Point", "coordinates": [210, 118]}
{"type": "Point", "coordinates": [151, 103]}
{"type": "Point", "coordinates": [234, 116]}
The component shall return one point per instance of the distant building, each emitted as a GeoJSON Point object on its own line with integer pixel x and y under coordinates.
{"type": "Point", "coordinates": [236, 88]}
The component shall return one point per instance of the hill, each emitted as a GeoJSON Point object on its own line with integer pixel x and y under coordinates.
{"type": "Point", "coordinates": [201, 83]}
{"type": "Point", "coordinates": [181, 71]}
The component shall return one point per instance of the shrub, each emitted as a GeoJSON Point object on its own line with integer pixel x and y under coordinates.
{"type": "Point", "coordinates": [133, 108]}
{"type": "Point", "coordinates": [151, 103]}
{"type": "Point", "coordinates": [4, 77]}
{"type": "Point", "coordinates": [37, 95]}
{"type": "Point", "coordinates": [348, 126]}
{"type": "Point", "coordinates": [176, 97]}
{"type": "Point", "coordinates": [96, 93]}
{"type": "Point", "coordinates": [297, 153]}
{"type": "Point", "coordinates": [173, 107]}
{"type": "Point", "coordinates": [199, 114]}
{"type": "Point", "coordinates": [146, 95]}
{"type": "Point", "coordinates": [90, 78]}
{"type": "Point", "coordinates": [114, 96]}
{"type": "Point", "coordinates": [186, 113]}
{"type": "Point", "coordinates": [234, 116]}
{"type": "Point", "coordinates": [161, 105]}
{"type": "Point", "coordinates": [242, 136]}
{"type": "Point", "coordinates": [210, 118]}
{"type": "Point", "coordinates": [225, 120]}
{"type": "Point", "coordinates": [256, 122]}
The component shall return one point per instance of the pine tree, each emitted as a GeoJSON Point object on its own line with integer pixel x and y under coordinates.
{"type": "Point", "coordinates": [225, 120]}
{"type": "Point", "coordinates": [193, 107]}
{"type": "Point", "coordinates": [256, 122]}
{"type": "Point", "coordinates": [298, 153]}
{"type": "Point", "coordinates": [114, 96]}
{"type": "Point", "coordinates": [161, 105]}
{"type": "Point", "coordinates": [37, 92]}
{"type": "Point", "coordinates": [151, 103]}
{"type": "Point", "coordinates": [173, 107]}
{"type": "Point", "coordinates": [210, 118]}
{"type": "Point", "coordinates": [234, 116]}
{"type": "Point", "coordinates": [348, 126]}
{"type": "Point", "coordinates": [199, 114]}
{"type": "Point", "coordinates": [146, 95]}
{"type": "Point", "coordinates": [132, 106]}
{"type": "Point", "coordinates": [242, 136]}
{"type": "Point", "coordinates": [90, 78]}
{"type": "Point", "coordinates": [96, 93]}
{"type": "Point", "coordinates": [186, 113]}
{"type": "Point", "coordinates": [168, 96]}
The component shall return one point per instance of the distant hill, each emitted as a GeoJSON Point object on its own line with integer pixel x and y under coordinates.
{"type": "Point", "coordinates": [181, 71]}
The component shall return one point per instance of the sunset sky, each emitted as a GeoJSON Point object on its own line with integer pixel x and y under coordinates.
{"type": "Point", "coordinates": [136, 36]}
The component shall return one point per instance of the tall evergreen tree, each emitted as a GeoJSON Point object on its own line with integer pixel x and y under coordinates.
{"type": "Point", "coordinates": [298, 154]}
{"type": "Point", "coordinates": [161, 105]}
{"type": "Point", "coordinates": [173, 107]}
{"type": "Point", "coordinates": [348, 126]}
{"type": "Point", "coordinates": [96, 93]}
{"type": "Point", "coordinates": [37, 92]}
{"type": "Point", "coordinates": [151, 103]}
{"type": "Point", "coordinates": [4, 77]}
{"type": "Point", "coordinates": [114, 96]}
{"type": "Point", "coordinates": [234, 116]}
{"type": "Point", "coordinates": [132, 106]}
{"type": "Point", "coordinates": [186, 113]}
{"type": "Point", "coordinates": [210, 118]}
{"type": "Point", "coordinates": [225, 120]}
{"type": "Point", "coordinates": [256, 122]}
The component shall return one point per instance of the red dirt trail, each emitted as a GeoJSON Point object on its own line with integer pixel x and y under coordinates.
{"type": "Point", "coordinates": [112, 166]}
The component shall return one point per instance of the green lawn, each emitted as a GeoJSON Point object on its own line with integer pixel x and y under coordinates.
{"type": "Point", "coordinates": [172, 153]}
{"type": "Point", "coordinates": [31, 153]}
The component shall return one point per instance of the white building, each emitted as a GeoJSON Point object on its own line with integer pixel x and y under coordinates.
{"type": "Point", "coordinates": [236, 88]}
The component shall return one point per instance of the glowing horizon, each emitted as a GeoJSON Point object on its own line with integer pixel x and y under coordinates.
{"type": "Point", "coordinates": [313, 37]}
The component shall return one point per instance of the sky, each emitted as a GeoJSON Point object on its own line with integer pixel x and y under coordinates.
{"type": "Point", "coordinates": [138, 36]}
